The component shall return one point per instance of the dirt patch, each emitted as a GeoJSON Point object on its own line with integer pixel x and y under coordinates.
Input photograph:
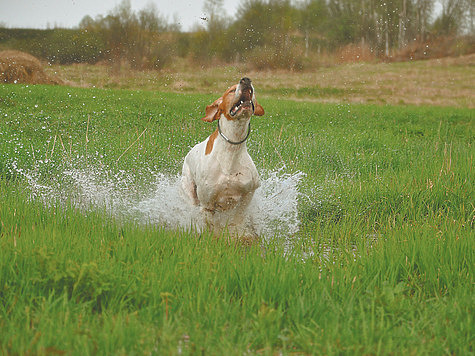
{"type": "Point", "coordinates": [21, 67]}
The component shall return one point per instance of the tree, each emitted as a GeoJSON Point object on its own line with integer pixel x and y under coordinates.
{"type": "Point", "coordinates": [131, 36]}
{"type": "Point", "coordinates": [343, 26]}
{"type": "Point", "coordinates": [149, 24]}
{"type": "Point", "coordinates": [454, 16]}
{"type": "Point", "coordinates": [250, 26]}
{"type": "Point", "coordinates": [216, 27]}
{"type": "Point", "coordinates": [313, 21]}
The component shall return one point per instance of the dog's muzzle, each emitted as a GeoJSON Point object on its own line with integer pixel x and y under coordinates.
{"type": "Point", "coordinates": [244, 97]}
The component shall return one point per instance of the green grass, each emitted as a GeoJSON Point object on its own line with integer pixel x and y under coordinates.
{"type": "Point", "coordinates": [387, 209]}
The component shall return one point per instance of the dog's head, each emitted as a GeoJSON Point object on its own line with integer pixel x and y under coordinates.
{"type": "Point", "coordinates": [237, 102]}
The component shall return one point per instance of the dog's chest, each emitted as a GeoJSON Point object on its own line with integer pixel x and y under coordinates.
{"type": "Point", "coordinates": [242, 181]}
{"type": "Point", "coordinates": [225, 183]}
{"type": "Point", "coordinates": [230, 189]}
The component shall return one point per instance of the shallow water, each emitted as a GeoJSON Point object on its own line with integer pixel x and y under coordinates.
{"type": "Point", "coordinates": [153, 197]}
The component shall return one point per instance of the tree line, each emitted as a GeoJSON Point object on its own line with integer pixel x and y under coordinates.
{"type": "Point", "coordinates": [268, 33]}
{"type": "Point", "coordinates": [279, 32]}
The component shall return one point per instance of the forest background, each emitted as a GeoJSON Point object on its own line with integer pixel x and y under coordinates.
{"type": "Point", "coordinates": [264, 34]}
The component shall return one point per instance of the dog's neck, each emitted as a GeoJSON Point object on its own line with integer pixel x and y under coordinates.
{"type": "Point", "coordinates": [227, 154]}
{"type": "Point", "coordinates": [234, 131]}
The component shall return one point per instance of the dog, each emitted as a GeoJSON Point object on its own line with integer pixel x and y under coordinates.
{"type": "Point", "coordinates": [218, 174]}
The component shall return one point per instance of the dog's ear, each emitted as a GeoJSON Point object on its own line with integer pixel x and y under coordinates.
{"type": "Point", "coordinates": [258, 110]}
{"type": "Point", "coordinates": [212, 111]}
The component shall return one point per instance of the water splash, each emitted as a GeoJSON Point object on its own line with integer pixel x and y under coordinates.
{"type": "Point", "coordinates": [275, 203]}
{"type": "Point", "coordinates": [152, 197]}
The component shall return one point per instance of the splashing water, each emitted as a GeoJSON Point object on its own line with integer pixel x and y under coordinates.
{"type": "Point", "coordinates": [152, 197]}
{"type": "Point", "coordinates": [158, 200]}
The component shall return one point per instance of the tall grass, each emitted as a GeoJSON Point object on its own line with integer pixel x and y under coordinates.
{"type": "Point", "coordinates": [382, 263]}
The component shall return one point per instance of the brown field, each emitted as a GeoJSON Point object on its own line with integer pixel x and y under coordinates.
{"type": "Point", "coordinates": [444, 82]}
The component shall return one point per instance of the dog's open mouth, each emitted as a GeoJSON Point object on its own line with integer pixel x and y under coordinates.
{"type": "Point", "coordinates": [241, 106]}
{"type": "Point", "coordinates": [243, 103]}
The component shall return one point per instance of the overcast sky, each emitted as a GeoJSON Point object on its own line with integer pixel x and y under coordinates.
{"type": "Point", "coordinates": [68, 13]}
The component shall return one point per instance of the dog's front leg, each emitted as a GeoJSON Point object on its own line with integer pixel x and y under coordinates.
{"type": "Point", "coordinates": [188, 185]}
{"type": "Point", "coordinates": [242, 222]}
{"type": "Point", "coordinates": [209, 219]}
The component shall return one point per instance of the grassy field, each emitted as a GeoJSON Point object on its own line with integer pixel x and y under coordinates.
{"type": "Point", "coordinates": [382, 262]}
{"type": "Point", "coordinates": [442, 82]}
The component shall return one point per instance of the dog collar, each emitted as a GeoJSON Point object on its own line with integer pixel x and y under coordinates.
{"type": "Point", "coordinates": [235, 142]}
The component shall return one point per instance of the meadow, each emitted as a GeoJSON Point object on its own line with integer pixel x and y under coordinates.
{"type": "Point", "coordinates": [441, 82]}
{"type": "Point", "coordinates": [382, 261]}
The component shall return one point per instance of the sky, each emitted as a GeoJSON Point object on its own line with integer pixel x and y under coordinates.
{"type": "Point", "coordinates": [68, 13]}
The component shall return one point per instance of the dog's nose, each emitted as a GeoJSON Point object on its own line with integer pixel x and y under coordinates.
{"type": "Point", "coordinates": [245, 81]}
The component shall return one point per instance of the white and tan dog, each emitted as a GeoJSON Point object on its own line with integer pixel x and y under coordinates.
{"type": "Point", "coordinates": [218, 175]}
